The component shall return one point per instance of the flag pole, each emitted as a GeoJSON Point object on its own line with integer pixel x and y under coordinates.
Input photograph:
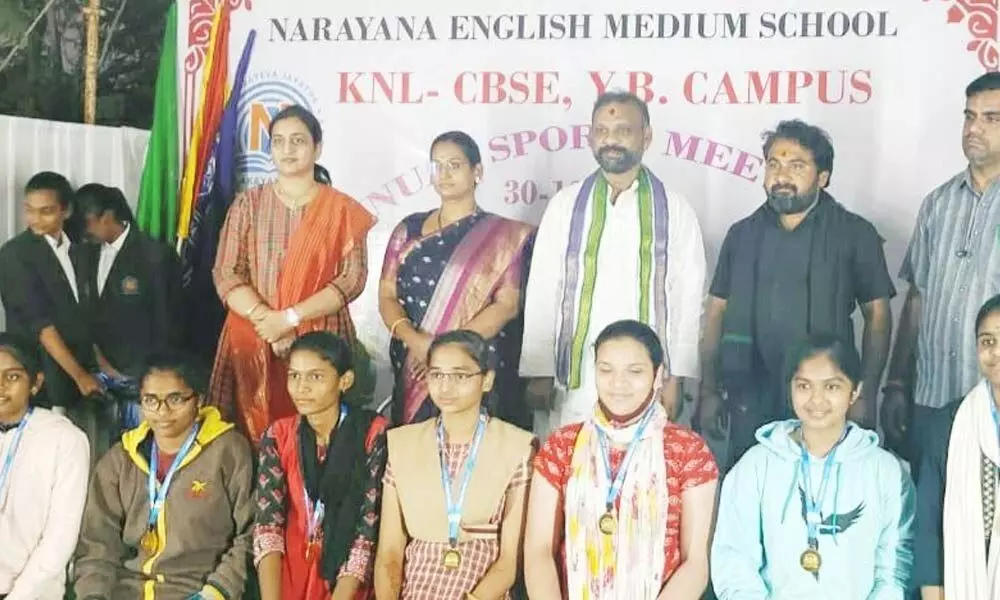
{"type": "Point", "coordinates": [93, 17]}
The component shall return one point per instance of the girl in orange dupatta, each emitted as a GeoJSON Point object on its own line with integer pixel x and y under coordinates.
{"type": "Point", "coordinates": [456, 267]}
{"type": "Point", "coordinates": [292, 256]}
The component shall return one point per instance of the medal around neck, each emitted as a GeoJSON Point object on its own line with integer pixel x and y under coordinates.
{"type": "Point", "coordinates": [451, 559]}
{"type": "Point", "coordinates": [311, 546]}
{"type": "Point", "coordinates": [150, 542]}
{"type": "Point", "coordinates": [607, 524]}
{"type": "Point", "coordinates": [811, 561]}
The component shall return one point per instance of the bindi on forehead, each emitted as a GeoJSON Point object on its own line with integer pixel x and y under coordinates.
{"type": "Point", "coordinates": [788, 150]}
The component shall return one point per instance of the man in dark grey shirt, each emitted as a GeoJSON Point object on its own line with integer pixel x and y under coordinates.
{"type": "Point", "coordinates": [800, 264]}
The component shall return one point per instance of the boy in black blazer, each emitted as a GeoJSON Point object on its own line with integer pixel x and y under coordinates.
{"type": "Point", "coordinates": [46, 295]}
{"type": "Point", "coordinates": [136, 282]}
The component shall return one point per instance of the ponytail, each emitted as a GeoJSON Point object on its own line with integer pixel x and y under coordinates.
{"type": "Point", "coordinates": [321, 175]}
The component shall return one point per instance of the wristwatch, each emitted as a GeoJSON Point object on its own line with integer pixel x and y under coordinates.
{"type": "Point", "coordinates": [292, 316]}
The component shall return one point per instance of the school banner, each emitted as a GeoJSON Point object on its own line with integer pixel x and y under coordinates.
{"type": "Point", "coordinates": [885, 78]}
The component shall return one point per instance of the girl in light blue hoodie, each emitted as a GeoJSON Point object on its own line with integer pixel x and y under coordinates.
{"type": "Point", "coordinates": [816, 509]}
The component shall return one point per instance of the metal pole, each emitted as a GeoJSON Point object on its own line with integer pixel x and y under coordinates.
{"type": "Point", "coordinates": [93, 18]}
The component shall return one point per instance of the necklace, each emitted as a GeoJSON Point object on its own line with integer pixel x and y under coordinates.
{"type": "Point", "coordinates": [294, 201]}
{"type": "Point", "coordinates": [440, 225]}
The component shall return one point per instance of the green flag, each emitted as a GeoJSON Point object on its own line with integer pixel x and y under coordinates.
{"type": "Point", "coordinates": [157, 213]}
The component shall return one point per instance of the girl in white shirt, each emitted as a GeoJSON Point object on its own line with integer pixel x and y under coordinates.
{"type": "Point", "coordinates": [44, 462]}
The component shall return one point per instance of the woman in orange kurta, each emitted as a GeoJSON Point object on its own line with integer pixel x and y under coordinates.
{"type": "Point", "coordinates": [292, 256]}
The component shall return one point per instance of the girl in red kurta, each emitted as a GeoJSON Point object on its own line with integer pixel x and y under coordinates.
{"type": "Point", "coordinates": [621, 507]}
{"type": "Point", "coordinates": [319, 482]}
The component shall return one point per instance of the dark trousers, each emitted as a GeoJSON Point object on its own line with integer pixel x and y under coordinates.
{"type": "Point", "coordinates": [98, 419]}
{"type": "Point", "coordinates": [752, 406]}
{"type": "Point", "coordinates": [920, 419]}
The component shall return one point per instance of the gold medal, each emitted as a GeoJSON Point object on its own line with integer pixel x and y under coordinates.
{"type": "Point", "coordinates": [607, 524]}
{"type": "Point", "coordinates": [150, 542]}
{"type": "Point", "coordinates": [452, 559]}
{"type": "Point", "coordinates": [811, 561]}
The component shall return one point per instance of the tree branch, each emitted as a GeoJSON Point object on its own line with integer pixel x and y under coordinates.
{"type": "Point", "coordinates": [24, 38]}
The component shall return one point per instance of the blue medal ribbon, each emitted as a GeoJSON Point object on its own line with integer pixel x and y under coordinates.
{"type": "Point", "coordinates": [8, 462]}
{"type": "Point", "coordinates": [455, 507]}
{"type": "Point", "coordinates": [158, 495]}
{"type": "Point", "coordinates": [316, 510]}
{"type": "Point", "coordinates": [815, 503]}
{"type": "Point", "coordinates": [617, 481]}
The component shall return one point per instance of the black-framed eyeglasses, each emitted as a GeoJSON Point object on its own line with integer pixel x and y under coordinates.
{"type": "Point", "coordinates": [457, 377]}
{"type": "Point", "coordinates": [174, 401]}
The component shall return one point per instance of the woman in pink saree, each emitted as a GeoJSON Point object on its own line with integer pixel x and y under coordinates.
{"type": "Point", "coordinates": [455, 267]}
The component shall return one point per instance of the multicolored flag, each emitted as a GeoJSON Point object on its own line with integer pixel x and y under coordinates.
{"type": "Point", "coordinates": [209, 115]}
{"type": "Point", "coordinates": [205, 312]}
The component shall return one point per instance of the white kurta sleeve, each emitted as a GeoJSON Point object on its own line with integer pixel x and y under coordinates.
{"type": "Point", "coordinates": [544, 290]}
{"type": "Point", "coordinates": [62, 526]}
{"type": "Point", "coordinates": [685, 287]}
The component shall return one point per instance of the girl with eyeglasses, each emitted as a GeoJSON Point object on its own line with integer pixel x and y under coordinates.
{"type": "Point", "coordinates": [44, 466]}
{"type": "Point", "coordinates": [455, 488]}
{"type": "Point", "coordinates": [455, 267]}
{"type": "Point", "coordinates": [170, 508]}
{"type": "Point", "coordinates": [319, 483]}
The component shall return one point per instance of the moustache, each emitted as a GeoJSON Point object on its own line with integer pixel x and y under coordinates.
{"type": "Point", "coordinates": [617, 149]}
{"type": "Point", "coordinates": [780, 188]}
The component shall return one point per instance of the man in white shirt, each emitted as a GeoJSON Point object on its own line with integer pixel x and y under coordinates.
{"type": "Point", "coordinates": [617, 245]}
{"type": "Point", "coordinates": [44, 464]}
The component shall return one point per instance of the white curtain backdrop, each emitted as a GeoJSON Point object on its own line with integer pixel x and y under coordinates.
{"type": "Point", "coordinates": [83, 153]}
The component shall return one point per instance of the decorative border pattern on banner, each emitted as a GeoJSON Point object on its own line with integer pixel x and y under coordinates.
{"type": "Point", "coordinates": [200, 13]}
{"type": "Point", "coordinates": [981, 17]}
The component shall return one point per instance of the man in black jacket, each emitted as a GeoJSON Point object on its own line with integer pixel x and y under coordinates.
{"type": "Point", "coordinates": [801, 263]}
{"type": "Point", "coordinates": [136, 282]}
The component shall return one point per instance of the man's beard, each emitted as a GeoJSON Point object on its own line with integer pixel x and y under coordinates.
{"type": "Point", "coordinates": [620, 164]}
{"type": "Point", "coordinates": [791, 203]}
